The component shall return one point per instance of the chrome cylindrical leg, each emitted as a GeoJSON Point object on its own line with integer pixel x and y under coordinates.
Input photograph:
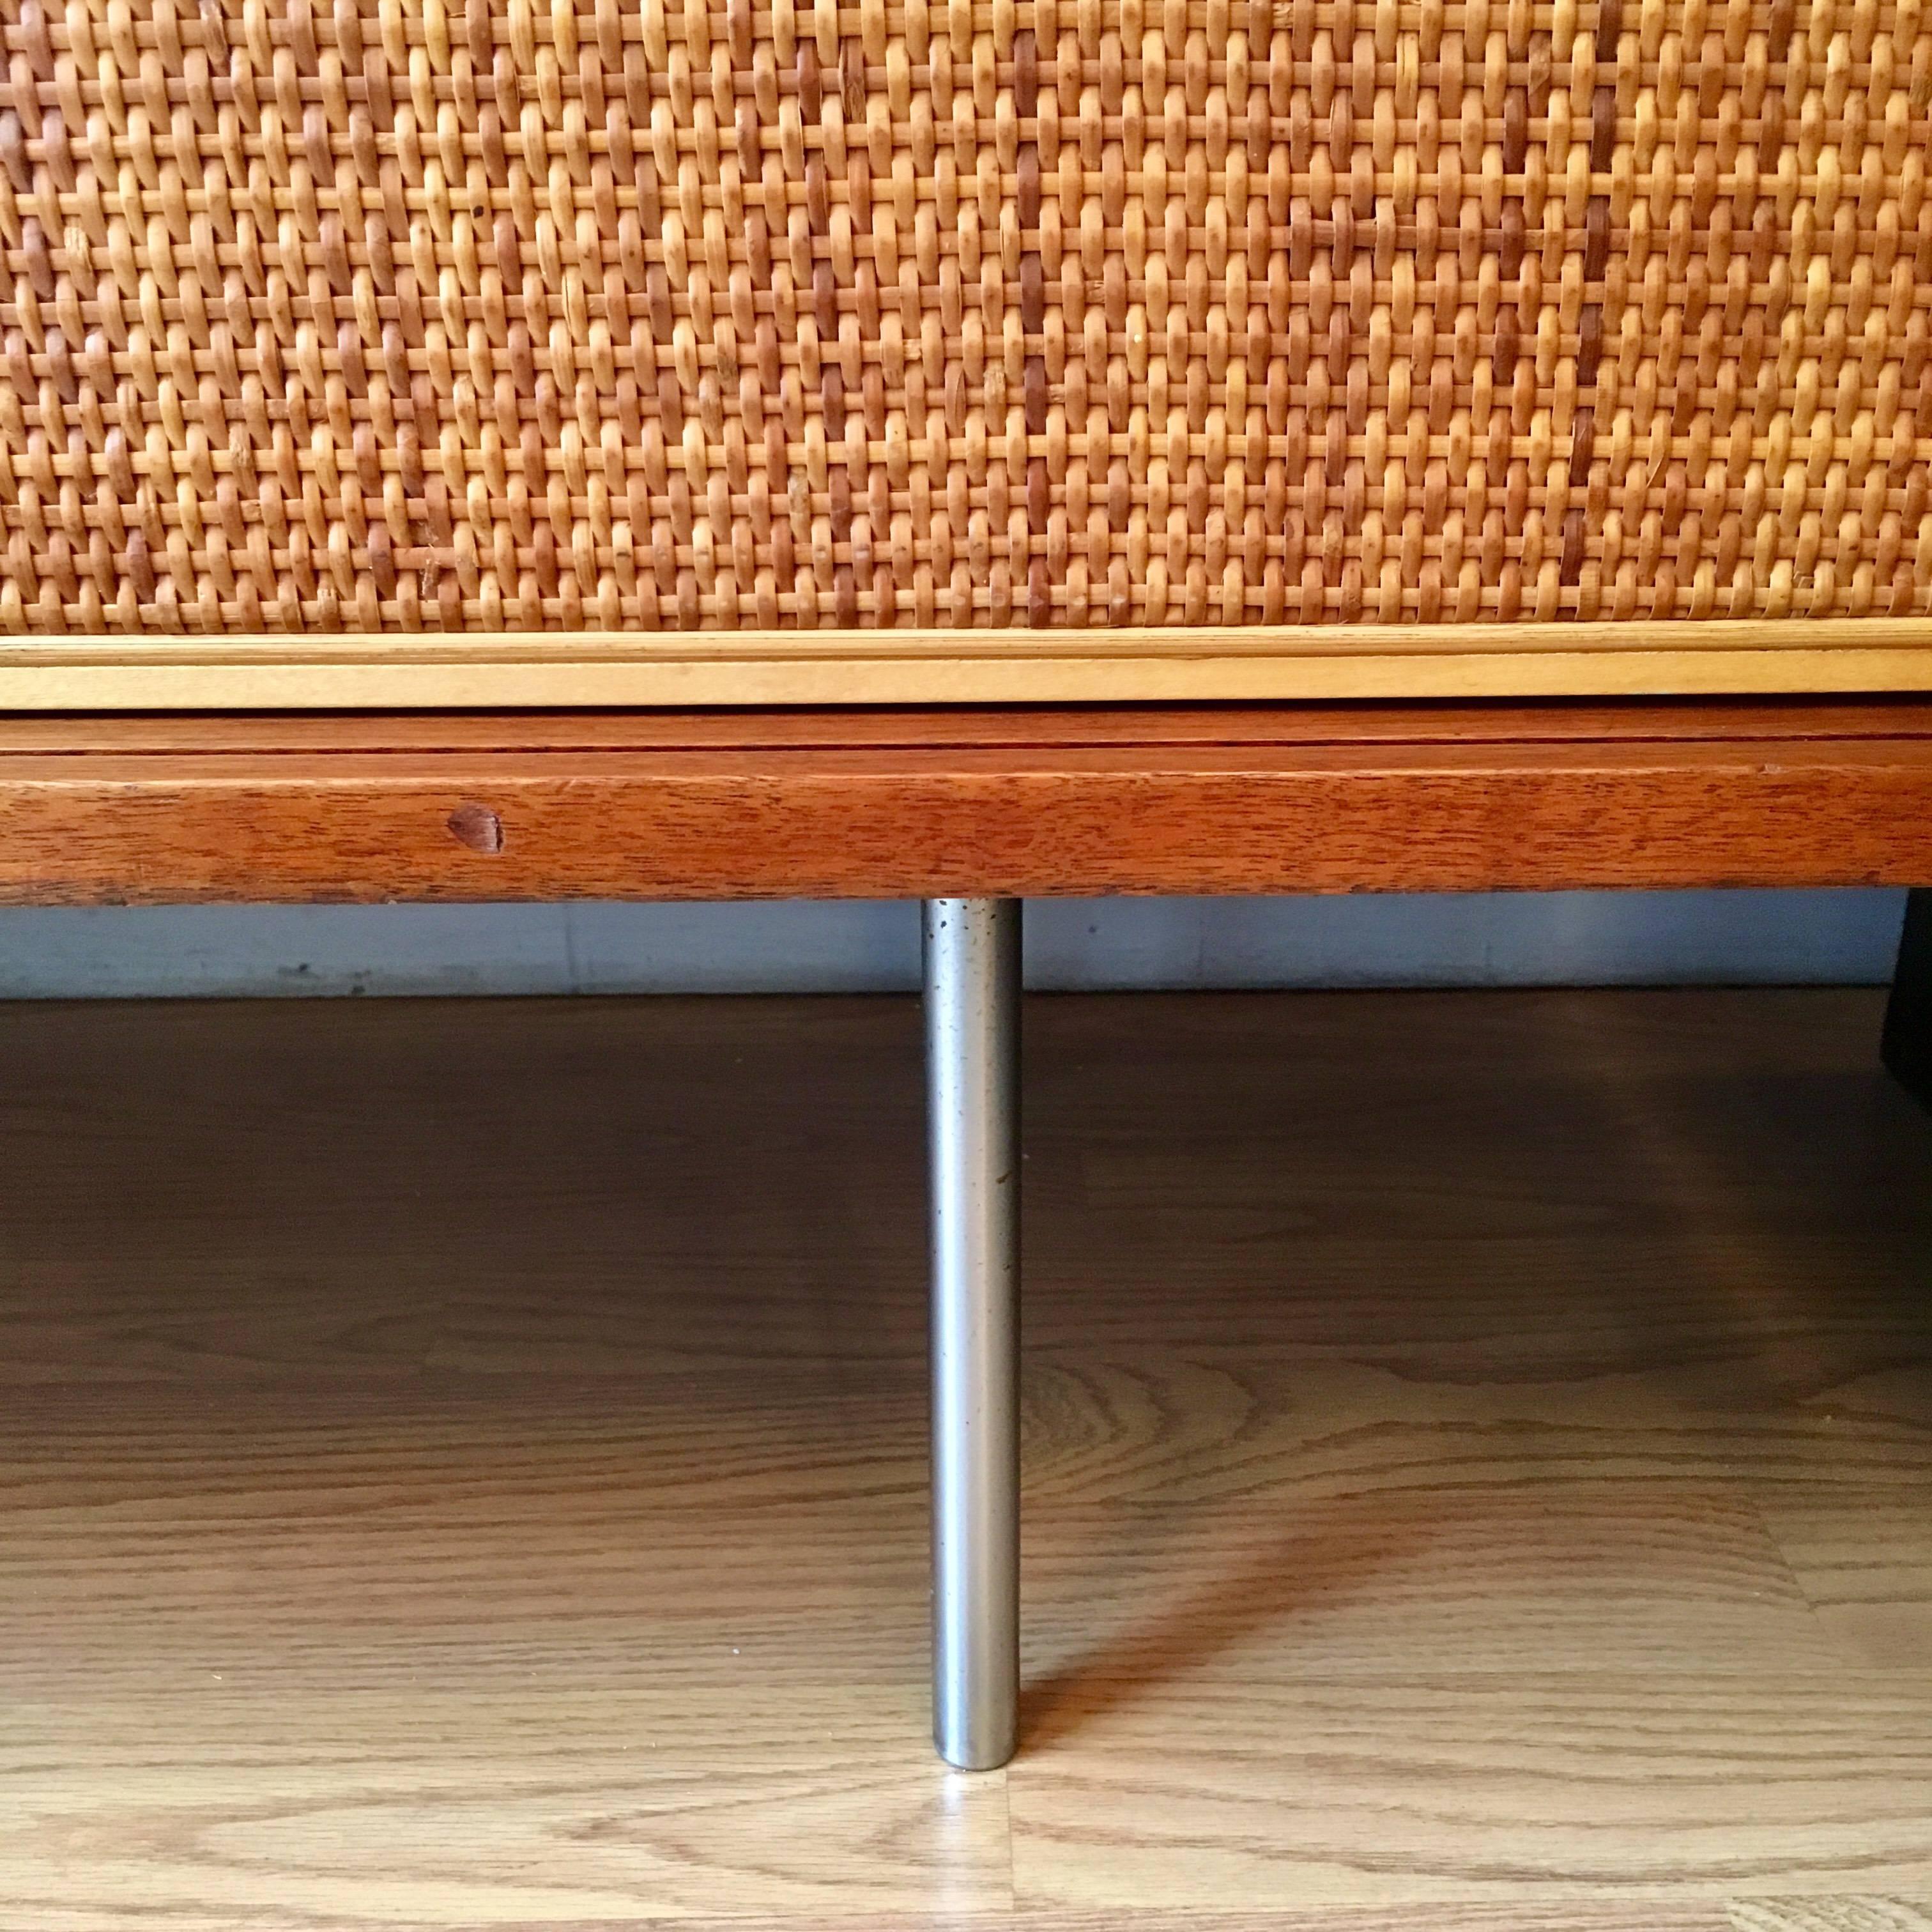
{"type": "Point", "coordinates": [972, 1051]}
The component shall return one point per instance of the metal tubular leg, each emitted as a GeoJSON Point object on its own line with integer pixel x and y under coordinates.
{"type": "Point", "coordinates": [972, 1051]}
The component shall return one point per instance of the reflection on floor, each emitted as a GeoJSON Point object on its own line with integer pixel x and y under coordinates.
{"type": "Point", "coordinates": [461, 1464]}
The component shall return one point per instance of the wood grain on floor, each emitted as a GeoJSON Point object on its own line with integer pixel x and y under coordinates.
{"type": "Point", "coordinates": [462, 1464]}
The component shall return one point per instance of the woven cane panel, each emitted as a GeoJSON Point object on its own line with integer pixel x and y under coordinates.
{"type": "Point", "coordinates": [412, 316]}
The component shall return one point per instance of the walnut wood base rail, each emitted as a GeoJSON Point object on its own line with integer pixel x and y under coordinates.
{"type": "Point", "coordinates": [910, 803]}
{"type": "Point", "coordinates": [969, 810]}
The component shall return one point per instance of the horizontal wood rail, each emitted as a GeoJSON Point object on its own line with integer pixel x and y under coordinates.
{"type": "Point", "coordinates": [903, 803]}
{"type": "Point", "coordinates": [1512, 661]}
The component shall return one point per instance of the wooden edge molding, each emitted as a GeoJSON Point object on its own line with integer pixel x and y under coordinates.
{"type": "Point", "coordinates": [743, 731]}
{"type": "Point", "coordinates": [1243, 799]}
{"type": "Point", "coordinates": [1320, 663]}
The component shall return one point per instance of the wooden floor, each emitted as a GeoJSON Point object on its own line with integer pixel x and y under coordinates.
{"type": "Point", "coordinates": [461, 1465]}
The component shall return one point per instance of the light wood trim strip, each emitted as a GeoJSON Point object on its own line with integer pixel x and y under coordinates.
{"type": "Point", "coordinates": [1181, 642]}
{"type": "Point", "coordinates": [1328, 663]}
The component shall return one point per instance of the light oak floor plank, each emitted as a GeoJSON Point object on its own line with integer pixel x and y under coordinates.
{"type": "Point", "coordinates": [1862, 1556]}
{"type": "Point", "coordinates": [1451, 1786]}
{"type": "Point", "coordinates": [1832, 1915]}
{"type": "Point", "coordinates": [462, 1464]}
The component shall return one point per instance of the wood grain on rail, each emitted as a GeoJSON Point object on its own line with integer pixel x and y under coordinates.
{"type": "Point", "coordinates": [1253, 799]}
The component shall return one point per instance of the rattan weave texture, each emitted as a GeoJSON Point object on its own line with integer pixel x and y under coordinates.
{"type": "Point", "coordinates": [406, 316]}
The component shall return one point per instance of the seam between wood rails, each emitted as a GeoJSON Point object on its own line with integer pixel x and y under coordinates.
{"type": "Point", "coordinates": [669, 761]}
{"type": "Point", "coordinates": [434, 742]}
{"type": "Point", "coordinates": [964, 767]}
{"type": "Point", "coordinates": [433, 761]}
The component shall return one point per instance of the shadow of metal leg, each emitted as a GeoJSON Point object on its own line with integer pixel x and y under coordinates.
{"type": "Point", "coordinates": [972, 1048]}
{"type": "Point", "coordinates": [1906, 1046]}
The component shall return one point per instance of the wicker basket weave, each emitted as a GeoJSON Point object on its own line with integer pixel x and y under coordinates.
{"type": "Point", "coordinates": [405, 316]}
